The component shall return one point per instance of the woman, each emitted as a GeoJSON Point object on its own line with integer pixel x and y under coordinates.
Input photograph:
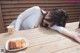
{"type": "Point", "coordinates": [35, 17]}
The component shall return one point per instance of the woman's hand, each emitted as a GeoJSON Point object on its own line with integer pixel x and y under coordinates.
{"type": "Point", "coordinates": [76, 37]}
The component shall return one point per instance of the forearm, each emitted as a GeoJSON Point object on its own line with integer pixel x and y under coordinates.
{"type": "Point", "coordinates": [68, 33]}
{"type": "Point", "coordinates": [63, 30]}
{"type": "Point", "coordinates": [73, 35]}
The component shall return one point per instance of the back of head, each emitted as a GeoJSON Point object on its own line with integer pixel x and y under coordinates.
{"type": "Point", "coordinates": [58, 17]}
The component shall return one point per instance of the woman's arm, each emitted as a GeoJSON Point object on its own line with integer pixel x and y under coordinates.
{"type": "Point", "coordinates": [19, 20]}
{"type": "Point", "coordinates": [66, 32]}
{"type": "Point", "coordinates": [24, 15]}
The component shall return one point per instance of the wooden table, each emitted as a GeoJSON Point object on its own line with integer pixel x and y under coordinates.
{"type": "Point", "coordinates": [45, 40]}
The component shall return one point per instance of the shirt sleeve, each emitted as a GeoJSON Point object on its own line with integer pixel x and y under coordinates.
{"type": "Point", "coordinates": [24, 15]}
{"type": "Point", "coordinates": [57, 28]}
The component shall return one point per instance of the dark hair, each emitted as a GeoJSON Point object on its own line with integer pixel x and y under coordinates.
{"type": "Point", "coordinates": [58, 17]}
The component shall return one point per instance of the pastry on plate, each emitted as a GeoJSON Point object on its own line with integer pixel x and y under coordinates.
{"type": "Point", "coordinates": [16, 44]}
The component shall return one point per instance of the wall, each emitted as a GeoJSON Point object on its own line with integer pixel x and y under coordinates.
{"type": "Point", "coordinates": [10, 9]}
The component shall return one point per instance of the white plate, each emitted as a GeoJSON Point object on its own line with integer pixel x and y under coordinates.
{"type": "Point", "coordinates": [13, 39]}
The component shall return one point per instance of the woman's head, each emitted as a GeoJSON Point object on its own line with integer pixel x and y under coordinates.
{"type": "Point", "coordinates": [56, 16]}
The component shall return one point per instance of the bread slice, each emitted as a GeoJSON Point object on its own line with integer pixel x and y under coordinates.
{"type": "Point", "coordinates": [12, 45]}
{"type": "Point", "coordinates": [18, 43]}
